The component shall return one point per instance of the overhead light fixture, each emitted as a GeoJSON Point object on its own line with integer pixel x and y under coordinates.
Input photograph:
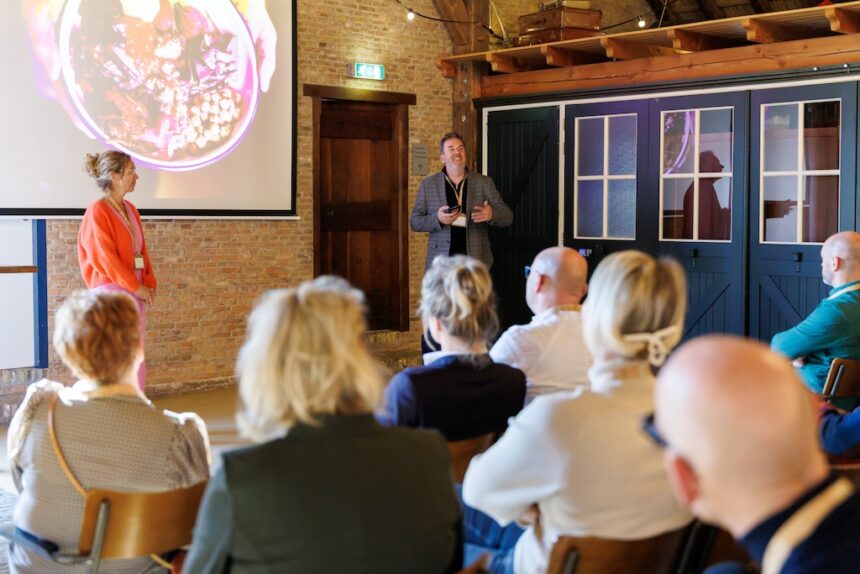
{"type": "Point", "coordinates": [410, 15]}
{"type": "Point", "coordinates": [641, 22]}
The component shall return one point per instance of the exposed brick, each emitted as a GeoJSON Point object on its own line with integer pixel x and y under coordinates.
{"type": "Point", "coordinates": [210, 272]}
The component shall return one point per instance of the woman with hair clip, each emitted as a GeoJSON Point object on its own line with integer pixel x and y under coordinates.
{"type": "Point", "coordinates": [111, 248]}
{"type": "Point", "coordinates": [577, 463]}
{"type": "Point", "coordinates": [325, 489]}
{"type": "Point", "coordinates": [459, 391]}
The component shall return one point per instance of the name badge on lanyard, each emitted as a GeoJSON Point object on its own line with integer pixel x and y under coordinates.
{"type": "Point", "coordinates": [138, 262]}
{"type": "Point", "coordinates": [460, 221]}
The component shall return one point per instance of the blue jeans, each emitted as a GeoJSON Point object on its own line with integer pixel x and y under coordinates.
{"type": "Point", "coordinates": [483, 535]}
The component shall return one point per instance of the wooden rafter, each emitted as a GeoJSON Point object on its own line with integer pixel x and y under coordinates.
{"type": "Point", "coordinates": [799, 54]}
{"type": "Point", "coordinates": [842, 21]}
{"type": "Point", "coordinates": [677, 52]}
{"type": "Point", "coordinates": [455, 10]}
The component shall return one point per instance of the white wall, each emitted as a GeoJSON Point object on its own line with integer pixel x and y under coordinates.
{"type": "Point", "coordinates": [17, 300]}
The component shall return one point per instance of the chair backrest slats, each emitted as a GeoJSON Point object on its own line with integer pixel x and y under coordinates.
{"type": "Point", "coordinates": [462, 451]}
{"type": "Point", "coordinates": [141, 523]}
{"type": "Point", "coordinates": [843, 379]}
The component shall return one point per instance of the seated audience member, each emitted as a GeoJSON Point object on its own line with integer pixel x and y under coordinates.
{"type": "Point", "coordinates": [577, 461]}
{"type": "Point", "coordinates": [326, 489]}
{"type": "Point", "coordinates": [109, 434]}
{"type": "Point", "coordinates": [459, 391]}
{"type": "Point", "coordinates": [833, 328]}
{"type": "Point", "coordinates": [742, 452]}
{"type": "Point", "coordinates": [840, 432]}
{"type": "Point", "coordinates": [550, 349]}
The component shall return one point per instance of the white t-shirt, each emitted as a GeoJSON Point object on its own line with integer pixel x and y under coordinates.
{"type": "Point", "coordinates": [582, 457]}
{"type": "Point", "coordinates": [549, 350]}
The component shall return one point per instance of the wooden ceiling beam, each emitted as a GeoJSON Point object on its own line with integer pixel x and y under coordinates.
{"type": "Point", "coordinates": [842, 21]}
{"type": "Point", "coordinates": [687, 41]}
{"type": "Point", "coordinates": [827, 51]}
{"type": "Point", "coordinates": [455, 10]}
{"type": "Point", "coordinates": [617, 49]}
{"type": "Point", "coordinates": [561, 58]}
{"type": "Point", "coordinates": [761, 31]}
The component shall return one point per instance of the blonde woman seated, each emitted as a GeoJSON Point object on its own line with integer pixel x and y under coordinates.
{"type": "Point", "coordinates": [578, 460]}
{"type": "Point", "coordinates": [110, 435]}
{"type": "Point", "coordinates": [326, 489]}
{"type": "Point", "coordinates": [459, 391]}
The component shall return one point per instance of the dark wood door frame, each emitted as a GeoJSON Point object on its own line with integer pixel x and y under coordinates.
{"type": "Point", "coordinates": [401, 101]}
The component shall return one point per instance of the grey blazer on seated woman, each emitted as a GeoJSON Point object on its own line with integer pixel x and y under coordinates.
{"type": "Point", "coordinates": [346, 496]}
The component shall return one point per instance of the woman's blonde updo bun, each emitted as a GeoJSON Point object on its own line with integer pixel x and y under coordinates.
{"type": "Point", "coordinates": [100, 166]}
{"type": "Point", "coordinates": [459, 292]}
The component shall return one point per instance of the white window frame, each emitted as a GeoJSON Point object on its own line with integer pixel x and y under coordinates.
{"type": "Point", "coordinates": [695, 175]}
{"type": "Point", "coordinates": [800, 173]}
{"type": "Point", "coordinates": [605, 177]}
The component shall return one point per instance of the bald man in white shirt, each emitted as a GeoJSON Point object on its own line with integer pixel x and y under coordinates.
{"type": "Point", "coordinates": [550, 349]}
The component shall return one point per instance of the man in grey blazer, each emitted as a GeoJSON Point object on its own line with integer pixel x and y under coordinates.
{"type": "Point", "coordinates": [457, 207]}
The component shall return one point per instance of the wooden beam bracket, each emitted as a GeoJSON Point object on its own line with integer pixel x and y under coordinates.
{"type": "Point", "coordinates": [504, 64]}
{"type": "Point", "coordinates": [559, 57]}
{"type": "Point", "coordinates": [761, 31]}
{"type": "Point", "coordinates": [457, 11]}
{"type": "Point", "coordinates": [689, 41]}
{"type": "Point", "coordinates": [617, 49]}
{"type": "Point", "coordinates": [842, 21]}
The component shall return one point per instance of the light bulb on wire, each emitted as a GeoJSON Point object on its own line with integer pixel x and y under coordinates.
{"type": "Point", "coordinates": [641, 22]}
{"type": "Point", "coordinates": [410, 15]}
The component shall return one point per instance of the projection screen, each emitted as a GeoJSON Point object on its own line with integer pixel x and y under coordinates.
{"type": "Point", "coordinates": [200, 93]}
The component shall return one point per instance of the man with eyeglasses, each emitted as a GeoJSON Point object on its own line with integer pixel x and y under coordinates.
{"type": "Point", "coordinates": [742, 451]}
{"type": "Point", "coordinates": [550, 349]}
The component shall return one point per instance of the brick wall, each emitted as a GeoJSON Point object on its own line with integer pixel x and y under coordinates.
{"type": "Point", "coordinates": [210, 272]}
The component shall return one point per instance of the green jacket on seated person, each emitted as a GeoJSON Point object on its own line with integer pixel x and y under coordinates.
{"type": "Point", "coordinates": [346, 496]}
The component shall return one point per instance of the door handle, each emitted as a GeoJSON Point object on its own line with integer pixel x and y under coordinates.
{"type": "Point", "coordinates": [797, 257]}
{"type": "Point", "coordinates": [330, 213]}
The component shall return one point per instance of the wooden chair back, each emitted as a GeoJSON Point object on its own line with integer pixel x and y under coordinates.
{"type": "Point", "coordinates": [139, 523]}
{"type": "Point", "coordinates": [589, 555]}
{"type": "Point", "coordinates": [843, 379]}
{"type": "Point", "coordinates": [462, 451]}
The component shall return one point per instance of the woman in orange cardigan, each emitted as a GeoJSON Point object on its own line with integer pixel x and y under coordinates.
{"type": "Point", "coordinates": [111, 248]}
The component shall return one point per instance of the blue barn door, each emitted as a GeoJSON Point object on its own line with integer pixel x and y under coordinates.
{"type": "Point", "coordinates": [697, 209]}
{"type": "Point", "coordinates": [802, 151]}
{"type": "Point", "coordinates": [522, 160]}
{"type": "Point", "coordinates": [606, 165]}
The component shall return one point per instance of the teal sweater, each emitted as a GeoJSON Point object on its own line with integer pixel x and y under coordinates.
{"type": "Point", "coordinates": [832, 330]}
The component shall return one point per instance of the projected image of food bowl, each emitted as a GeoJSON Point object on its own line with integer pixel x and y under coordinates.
{"type": "Point", "coordinates": [175, 88]}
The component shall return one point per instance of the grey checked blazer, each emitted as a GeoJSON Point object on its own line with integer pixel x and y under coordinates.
{"type": "Point", "coordinates": [431, 196]}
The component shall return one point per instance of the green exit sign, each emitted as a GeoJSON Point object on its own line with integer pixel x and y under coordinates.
{"type": "Point", "coordinates": [366, 71]}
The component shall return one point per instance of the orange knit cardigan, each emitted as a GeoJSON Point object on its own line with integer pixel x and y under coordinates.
{"type": "Point", "coordinates": [105, 250]}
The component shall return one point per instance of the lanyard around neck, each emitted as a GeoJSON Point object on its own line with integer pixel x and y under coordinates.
{"type": "Point", "coordinates": [126, 219]}
{"type": "Point", "coordinates": [458, 187]}
{"type": "Point", "coordinates": [854, 287]}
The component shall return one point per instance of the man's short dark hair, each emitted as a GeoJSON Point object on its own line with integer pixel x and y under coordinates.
{"type": "Point", "coordinates": [449, 136]}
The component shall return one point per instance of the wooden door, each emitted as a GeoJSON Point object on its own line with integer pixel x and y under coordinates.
{"type": "Point", "coordinates": [606, 166]}
{"type": "Point", "coordinates": [698, 187]}
{"type": "Point", "coordinates": [522, 160]}
{"type": "Point", "coordinates": [802, 151]}
{"type": "Point", "coordinates": [362, 193]}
